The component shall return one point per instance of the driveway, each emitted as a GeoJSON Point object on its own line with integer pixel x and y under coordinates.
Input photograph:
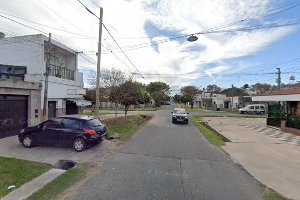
{"type": "Point", "coordinates": [168, 161]}
{"type": "Point", "coordinates": [270, 155]}
{"type": "Point", "coordinates": [10, 147]}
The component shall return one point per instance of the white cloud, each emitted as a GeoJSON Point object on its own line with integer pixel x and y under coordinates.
{"type": "Point", "coordinates": [126, 19]}
{"type": "Point", "coordinates": [216, 70]}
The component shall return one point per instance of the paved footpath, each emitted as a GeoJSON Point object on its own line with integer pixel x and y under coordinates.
{"type": "Point", "coordinates": [270, 155]}
{"type": "Point", "coordinates": [168, 161]}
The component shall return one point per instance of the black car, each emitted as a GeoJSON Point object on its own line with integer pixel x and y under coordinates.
{"type": "Point", "coordinates": [77, 131]}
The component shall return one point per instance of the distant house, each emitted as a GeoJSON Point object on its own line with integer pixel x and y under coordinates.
{"type": "Point", "coordinates": [286, 112]}
{"type": "Point", "coordinates": [204, 100]}
{"type": "Point", "coordinates": [214, 101]}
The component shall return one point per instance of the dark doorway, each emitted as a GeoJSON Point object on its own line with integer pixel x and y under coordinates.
{"type": "Point", "coordinates": [51, 109]}
{"type": "Point", "coordinates": [71, 108]}
{"type": "Point", "coordinates": [13, 114]}
{"type": "Point", "coordinates": [226, 104]}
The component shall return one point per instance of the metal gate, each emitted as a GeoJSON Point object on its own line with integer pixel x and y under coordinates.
{"type": "Point", "coordinates": [13, 114]}
{"type": "Point", "coordinates": [51, 109]}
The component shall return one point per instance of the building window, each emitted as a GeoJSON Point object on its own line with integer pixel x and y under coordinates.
{"type": "Point", "coordinates": [12, 72]}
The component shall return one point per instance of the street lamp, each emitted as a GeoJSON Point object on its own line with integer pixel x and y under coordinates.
{"type": "Point", "coordinates": [192, 38]}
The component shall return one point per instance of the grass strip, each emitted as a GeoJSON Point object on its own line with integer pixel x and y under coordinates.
{"type": "Point", "coordinates": [272, 195]}
{"type": "Point", "coordinates": [125, 126]}
{"type": "Point", "coordinates": [61, 183]}
{"type": "Point", "coordinates": [211, 135]}
{"type": "Point", "coordinates": [17, 172]}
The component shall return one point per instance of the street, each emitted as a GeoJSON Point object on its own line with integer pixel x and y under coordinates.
{"type": "Point", "coordinates": [169, 161]}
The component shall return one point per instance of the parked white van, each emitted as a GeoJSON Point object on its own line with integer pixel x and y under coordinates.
{"type": "Point", "coordinates": [254, 109]}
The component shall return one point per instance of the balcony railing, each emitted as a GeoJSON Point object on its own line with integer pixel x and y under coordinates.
{"type": "Point", "coordinates": [61, 72]}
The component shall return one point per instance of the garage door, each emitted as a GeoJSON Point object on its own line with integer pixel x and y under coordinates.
{"type": "Point", "coordinates": [13, 114]}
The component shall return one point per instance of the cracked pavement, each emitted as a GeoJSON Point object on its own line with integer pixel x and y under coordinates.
{"type": "Point", "coordinates": [169, 161]}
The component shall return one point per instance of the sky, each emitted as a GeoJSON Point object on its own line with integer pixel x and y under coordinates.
{"type": "Point", "coordinates": [153, 36]}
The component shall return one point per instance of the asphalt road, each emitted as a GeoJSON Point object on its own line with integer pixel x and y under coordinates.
{"type": "Point", "coordinates": [170, 161]}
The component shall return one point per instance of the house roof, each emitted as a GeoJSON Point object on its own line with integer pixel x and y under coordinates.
{"type": "Point", "coordinates": [283, 92]}
{"type": "Point", "coordinates": [283, 95]}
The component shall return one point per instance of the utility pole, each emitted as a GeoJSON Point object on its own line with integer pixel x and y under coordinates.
{"type": "Point", "coordinates": [231, 97]}
{"type": "Point", "coordinates": [46, 80]}
{"type": "Point", "coordinates": [279, 78]}
{"type": "Point", "coordinates": [98, 64]}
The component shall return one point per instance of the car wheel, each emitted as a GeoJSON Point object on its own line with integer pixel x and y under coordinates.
{"type": "Point", "coordinates": [79, 144]}
{"type": "Point", "coordinates": [262, 112]}
{"type": "Point", "coordinates": [27, 141]}
{"type": "Point", "coordinates": [246, 112]}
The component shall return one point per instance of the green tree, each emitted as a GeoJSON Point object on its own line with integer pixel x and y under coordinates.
{"type": "Point", "coordinates": [234, 92]}
{"type": "Point", "coordinates": [128, 93]}
{"type": "Point", "coordinates": [158, 91]}
{"type": "Point", "coordinates": [245, 86]}
{"type": "Point", "coordinates": [189, 93]}
{"type": "Point", "coordinates": [144, 95]}
{"type": "Point", "coordinates": [158, 86]}
{"type": "Point", "coordinates": [213, 88]}
{"type": "Point", "coordinates": [184, 99]}
{"type": "Point", "coordinates": [177, 98]}
{"type": "Point", "coordinates": [261, 87]}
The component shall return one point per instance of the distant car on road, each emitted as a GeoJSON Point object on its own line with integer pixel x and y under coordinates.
{"type": "Point", "coordinates": [77, 131]}
{"type": "Point", "coordinates": [253, 109]}
{"type": "Point", "coordinates": [179, 115]}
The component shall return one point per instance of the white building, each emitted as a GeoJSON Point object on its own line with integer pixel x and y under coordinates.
{"type": "Point", "coordinates": [65, 86]}
{"type": "Point", "coordinates": [204, 100]}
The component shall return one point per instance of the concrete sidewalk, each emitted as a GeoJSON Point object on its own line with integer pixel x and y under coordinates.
{"type": "Point", "coordinates": [31, 187]}
{"type": "Point", "coordinates": [270, 156]}
{"type": "Point", "coordinates": [10, 147]}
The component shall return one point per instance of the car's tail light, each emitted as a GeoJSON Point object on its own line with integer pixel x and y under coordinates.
{"type": "Point", "coordinates": [90, 132]}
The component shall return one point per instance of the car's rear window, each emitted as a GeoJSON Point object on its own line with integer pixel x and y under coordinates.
{"type": "Point", "coordinates": [95, 122]}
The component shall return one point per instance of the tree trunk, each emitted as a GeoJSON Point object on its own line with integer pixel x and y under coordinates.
{"type": "Point", "coordinates": [116, 111]}
{"type": "Point", "coordinates": [126, 109]}
{"type": "Point", "coordinates": [192, 105]}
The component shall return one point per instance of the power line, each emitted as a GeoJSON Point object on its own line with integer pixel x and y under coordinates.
{"type": "Point", "coordinates": [111, 37]}
{"type": "Point", "coordinates": [43, 25]}
{"type": "Point", "coordinates": [214, 30]}
{"type": "Point", "coordinates": [250, 28]}
{"type": "Point", "coordinates": [122, 50]}
{"type": "Point", "coordinates": [56, 13]}
{"type": "Point", "coordinates": [88, 9]}
{"type": "Point", "coordinates": [117, 58]}
{"type": "Point", "coordinates": [90, 61]}
{"type": "Point", "coordinates": [22, 24]}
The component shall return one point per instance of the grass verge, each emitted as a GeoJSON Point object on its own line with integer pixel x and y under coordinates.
{"type": "Point", "coordinates": [93, 113]}
{"type": "Point", "coordinates": [145, 109]}
{"type": "Point", "coordinates": [17, 172]}
{"type": "Point", "coordinates": [126, 127]}
{"type": "Point", "coordinates": [211, 135]}
{"type": "Point", "coordinates": [61, 183]}
{"type": "Point", "coordinates": [272, 195]}
{"type": "Point", "coordinates": [193, 110]}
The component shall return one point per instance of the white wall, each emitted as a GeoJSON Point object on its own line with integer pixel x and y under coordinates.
{"type": "Point", "coordinates": [29, 51]}
{"type": "Point", "coordinates": [23, 51]}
